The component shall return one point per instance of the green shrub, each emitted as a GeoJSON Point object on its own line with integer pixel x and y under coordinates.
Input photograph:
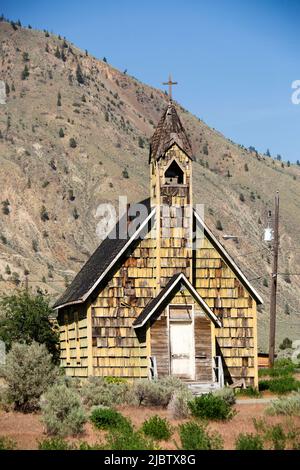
{"type": "Point", "coordinates": [6, 443]}
{"type": "Point", "coordinates": [248, 392]}
{"type": "Point", "coordinates": [28, 372]}
{"type": "Point", "coordinates": [209, 406]}
{"type": "Point", "coordinates": [195, 436]}
{"type": "Point", "coordinates": [282, 367]}
{"type": "Point", "coordinates": [129, 440]}
{"type": "Point", "coordinates": [289, 406]}
{"type": "Point", "coordinates": [249, 441]}
{"type": "Point", "coordinates": [226, 394]}
{"type": "Point", "coordinates": [55, 443]}
{"type": "Point", "coordinates": [62, 413]}
{"type": "Point", "coordinates": [178, 405]}
{"type": "Point", "coordinates": [106, 392]}
{"type": "Point", "coordinates": [280, 385]}
{"type": "Point", "coordinates": [157, 428]}
{"type": "Point", "coordinates": [107, 418]}
{"type": "Point", "coordinates": [115, 380]}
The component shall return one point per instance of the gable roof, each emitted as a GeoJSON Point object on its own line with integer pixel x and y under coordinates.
{"type": "Point", "coordinates": [102, 260]}
{"type": "Point", "coordinates": [166, 293]}
{"type": "Point", "coordinates": [228, 260]}
{"type": "Point", "coordinates": [169, 131]}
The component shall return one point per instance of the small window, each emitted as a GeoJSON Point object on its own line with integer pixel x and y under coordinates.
{"type": "Point", "coordinates": [174, 174]}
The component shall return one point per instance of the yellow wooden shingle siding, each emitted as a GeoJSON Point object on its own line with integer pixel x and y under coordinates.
{"type": "Point", "coordinates": [74, 342]}
{"type": "Point", "coordinates": [116, 347]}
{"type": "Point", "coordinates": [228, 298]}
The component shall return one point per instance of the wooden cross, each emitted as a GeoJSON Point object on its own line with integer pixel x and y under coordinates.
{"type": "Point", "coordinates": [170, 83]}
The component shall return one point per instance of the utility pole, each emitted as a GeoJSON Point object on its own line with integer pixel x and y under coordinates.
{"type": "Point", "coordinates": [274, 284]}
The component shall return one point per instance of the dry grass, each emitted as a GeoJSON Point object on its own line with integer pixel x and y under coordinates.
{"type": "Point", "coordinates": [27, 430]}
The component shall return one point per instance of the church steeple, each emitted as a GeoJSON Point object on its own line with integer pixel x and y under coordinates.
{"type": "Point", "coordinates": [168, 132]}
{"type": "Point", "coordinates": [170, 161]}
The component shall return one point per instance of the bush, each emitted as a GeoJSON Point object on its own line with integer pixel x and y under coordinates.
{"type": "Point", "coordinates": [98, 391]}
{"type": "Point", "coordinates": [210, 406]}
{"type": "Point", "coordinates": [226, 394]}
{"type": "Point", "coordinates": [55, 443]}
{"type": "Point", "coordinates": [6, 444]}
{"type": "Point", "coordinates": [281, 367]}
{"type": "Point", "coordinates": [107, 418]}
{"type": "Point", "coordinates": [157, 428]}
{"type": "Point", "coordinates": [248, 392]}
{"type": "Point", "coordinates": [156, 392]}
{"type": "Point", "coordinates": [195, 436]}
{"type": "Point", "coordinates": [249, 441]}
{"type": "Point", "coordinates": [28, 373]}
{"type": "Point", "coordinates": [289, 406]}
{"type": "Point", "coordinates": [62, 413]}
{"type": "Point", "coordinates": [132, 440]}
{"type": "Point", "coordinates": [178, 405]}
{"type": "Point", "coordinates": [280, 385]}
{"type": "Point", "coordinates": [25, 318]}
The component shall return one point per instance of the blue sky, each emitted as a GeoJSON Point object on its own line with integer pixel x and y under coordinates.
{"type": "Point", "coordinates": [235, 61]}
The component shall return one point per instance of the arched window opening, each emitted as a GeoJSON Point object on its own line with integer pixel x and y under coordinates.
{"type": "Point", "coordinates": [174, 174]}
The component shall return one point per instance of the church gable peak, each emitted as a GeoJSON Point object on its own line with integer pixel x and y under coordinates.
{"type": "Point", "coordinates": [169, 131]}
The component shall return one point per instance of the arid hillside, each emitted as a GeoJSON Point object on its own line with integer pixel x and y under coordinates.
{"type": "Point", "coordinates": [74, 133]}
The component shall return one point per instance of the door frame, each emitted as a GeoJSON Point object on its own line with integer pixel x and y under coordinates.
{"type": "Point", "coordinates": [193, 349]}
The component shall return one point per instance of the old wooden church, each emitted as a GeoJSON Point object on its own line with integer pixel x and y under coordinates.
{"type": "Point", "coordinates": [155, 303]}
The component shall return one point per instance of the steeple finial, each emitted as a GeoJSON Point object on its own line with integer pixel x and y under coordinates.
{"type": "Point", "coordinates": [170, 83]}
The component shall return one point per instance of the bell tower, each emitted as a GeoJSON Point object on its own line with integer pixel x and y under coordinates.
{"type": "Point", "coordinates": [170, 163]}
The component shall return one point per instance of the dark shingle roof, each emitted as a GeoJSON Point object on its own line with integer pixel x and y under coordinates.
{"type": "Point", "coordinates": [98, 262]}
{"type": "Point", "coordinates": [169, 131]}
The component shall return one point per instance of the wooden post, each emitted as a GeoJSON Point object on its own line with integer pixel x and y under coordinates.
{"type": "Point", "coordinates": [274, 284]}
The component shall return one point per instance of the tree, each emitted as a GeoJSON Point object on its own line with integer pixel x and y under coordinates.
{"type": "Point", "coordinates": [125, 173]}
{"type": "Point", "coordinates": [25, 317]}
{"type": "Point", "coordinates": [246, 167]}
{"type": "Point", "coordinates": [141, 142]}
{"type": "Point", "coordinates": [298, 162]}
{"type": "Point", "coordinates": [219, 225]}
{"type": "Point", "coordinates": [288, 163]}
{"type": "Point", "coordinates": [58, 99]}
{"type": "Point", "coordinates": [72, 143]}
{"type": "Point", "coordinates": [61, 132]}
{"type": "Point", "coordinates": [25, 57]}
{"type": "Point", "coordinates": [44, 214]}
{"type": "Point", "coordinates": [279, 158]}
{"type": "Point", "coordinates": [57, 53]}
{"type": "Point", "coordinates": [286, 344]}
{"type": "Point", "coordinates": [104, 59]}
{"type": "Point", "coordinates": [25, 73]}
{"type": "Point", "coordinates": [268, 154]}
{"type": "Point", "coordinates": [7, 89]}
{"type": "Point", "coordinates": [242, 197]}
{"type": "Point", "coordinates": [79, 75]}
{"type": "Point", "coordinates": [287, 309]}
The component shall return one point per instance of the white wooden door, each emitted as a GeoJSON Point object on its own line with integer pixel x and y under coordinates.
{"type": "Point", "coordinates": [182, 347]}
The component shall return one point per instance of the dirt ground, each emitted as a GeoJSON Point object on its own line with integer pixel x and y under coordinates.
{"type": "Point", "coordinates": [27, 430]}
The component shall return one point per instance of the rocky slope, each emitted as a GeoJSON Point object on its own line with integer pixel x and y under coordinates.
{"type": "Point", "coordinates": [51, 92]}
